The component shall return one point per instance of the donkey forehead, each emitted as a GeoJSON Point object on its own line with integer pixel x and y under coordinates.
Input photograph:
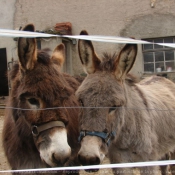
{"type": "Point", "coordinates": [99, 81]}
{"type": "Point", "coordinates": [100, 85]}
{"type": "Point", "coordinates": [42, 72]}
{"type": "Point", "coordinates": [42, 83]}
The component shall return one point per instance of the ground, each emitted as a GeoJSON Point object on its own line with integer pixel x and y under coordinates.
{"type": "Point", "coordinates": [3, 162]}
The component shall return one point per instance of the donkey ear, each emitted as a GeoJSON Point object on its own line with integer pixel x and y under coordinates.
{"type": "Point", "coordinates": [125, 60]}
{"type": "Point", "coordinates": [58, 54]}
{"type": "Point", "coordinates": [27, 50]}
{"type": "Point", "coordinates": [88, 57]}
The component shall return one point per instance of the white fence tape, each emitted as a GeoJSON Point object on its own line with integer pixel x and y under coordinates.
{"type": "Point", "coordinates": [111, 39]}
{"type": "Point", "coordinates": [120, 165]}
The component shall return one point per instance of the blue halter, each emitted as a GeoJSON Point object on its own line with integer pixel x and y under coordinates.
{"type": "Point", "coordinates": [106, 137]}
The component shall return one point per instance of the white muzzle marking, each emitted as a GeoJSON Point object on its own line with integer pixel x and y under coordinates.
{"type": "Point", "coordinates": [58, 149]}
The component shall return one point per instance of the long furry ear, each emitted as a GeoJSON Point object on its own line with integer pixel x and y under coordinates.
{"type": "Point", "coordinates": [58, 54]}
{"type": "Point", "coordinates": [88, 57]}
{"type": "Point", "coordinates": [125, 61]}
{"type": "Point", "coordinates": [27, 50]}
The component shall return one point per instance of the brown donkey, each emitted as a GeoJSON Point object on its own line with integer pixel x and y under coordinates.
{"type": "Point", "coordinates": [40, 130]}
{"type": "Point", "coordinates": [130, 121]}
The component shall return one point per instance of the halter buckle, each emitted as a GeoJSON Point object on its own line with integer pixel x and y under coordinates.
{"type": "Point", "coordinates": [35, 132]}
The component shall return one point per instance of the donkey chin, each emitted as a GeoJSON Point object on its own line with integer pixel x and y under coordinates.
{"type": "Point", "coordinates": [91, 152]}
{"type": "Point", "coordinates": [57, 152]}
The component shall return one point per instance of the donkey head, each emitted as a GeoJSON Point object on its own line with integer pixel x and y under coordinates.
{"type": "Point", "coordinates": [102, 96]}
{"type": "Point", "coordinates": [39, 84]}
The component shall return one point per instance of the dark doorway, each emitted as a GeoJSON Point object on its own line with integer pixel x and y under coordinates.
{"type": "Point", "coordinates": [3, 73]}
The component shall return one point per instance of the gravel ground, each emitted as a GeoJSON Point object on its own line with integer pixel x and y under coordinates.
{"type": "Point", "coordinates": [3, 162]}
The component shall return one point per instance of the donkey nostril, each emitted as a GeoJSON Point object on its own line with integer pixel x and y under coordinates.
{"type": "Point", "coordinates": [93, 161]}
{"type": "Point", "coordinates": [89, 160]}
{"type": "Point", "coordinates": [54, 159]}
{"type": "Point", "coordinates": [59, 161]}
{"type": "Point", "coordinates": [81, 159]}
{"type": "Point", "coordinates": [96, 161]}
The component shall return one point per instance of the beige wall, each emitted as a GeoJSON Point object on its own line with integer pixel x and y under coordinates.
{"type": "Point", "coordinates": [101, 17]}
{"type": "Point", "coordinates": [7, 10]}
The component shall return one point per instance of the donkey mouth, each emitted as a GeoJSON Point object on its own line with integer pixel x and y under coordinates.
{"type": "Point", "coordinates": [55, 163]}
{"type": "Point", "coordinates": [59, 163]}
{"type": "Point", "coordinates": [91, 170]}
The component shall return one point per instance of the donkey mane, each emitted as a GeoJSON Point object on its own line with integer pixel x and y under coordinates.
{"type": "Point", "coordinates": [108, 64]}
{"type": "Point", "coordinates": [43, 56]}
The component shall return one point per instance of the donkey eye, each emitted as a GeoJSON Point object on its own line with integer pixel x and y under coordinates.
{"type": "Point", "coordinates": [33, 101]}
{"type": "Point", "coordinates": [81, 102]}
{"type": "Point", "coordinates": [112, 108]}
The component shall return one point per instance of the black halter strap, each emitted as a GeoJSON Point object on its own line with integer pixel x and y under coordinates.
{"type": "Point", "coordinates": [106, 137]}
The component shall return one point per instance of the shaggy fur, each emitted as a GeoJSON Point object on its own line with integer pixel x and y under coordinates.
{"type": "Point", "coordinates": [143, 117]}
{"type": "Point", "coordinates": [44, 84]}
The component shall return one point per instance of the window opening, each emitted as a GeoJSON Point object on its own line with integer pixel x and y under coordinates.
{"type": "Point", "coordinates": [157, 58]}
